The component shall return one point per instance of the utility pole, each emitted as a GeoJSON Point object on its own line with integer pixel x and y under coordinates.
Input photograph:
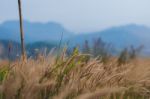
{"type": "Point", "coordinates": [21, 31]}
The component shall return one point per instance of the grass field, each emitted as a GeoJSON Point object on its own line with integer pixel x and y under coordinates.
{"type": "Point", "coordinates": [74, 77]}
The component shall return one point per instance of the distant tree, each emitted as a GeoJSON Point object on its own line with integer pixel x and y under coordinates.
{"type": "Point", "coordinates": [86, 50]}
{"type": "Point", "coordinates": [129, 54]}
{"type": "Point", "coordinates": [135, 51]}
{"type": "Point", "coordinates": [1, 49]}
{"type": "Point", "coordinates": [101, 49]}
{"type": "Point", "coordinates": [98, 47]}
{"type": "Point", "coordinates": [86, 47]}
{"type": "Point", "coordinates": [124, 57]}
{"type": "Point", "coordinates": [132, 52]}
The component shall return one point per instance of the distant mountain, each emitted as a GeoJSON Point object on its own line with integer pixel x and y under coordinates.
{"type": "Point", "coordinates": [120, 37]}
{"type": "Point", "coordinates": [34, 31]}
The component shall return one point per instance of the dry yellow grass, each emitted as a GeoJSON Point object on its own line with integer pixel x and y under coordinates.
{"type": "Point", "coordinates": [75, 78]}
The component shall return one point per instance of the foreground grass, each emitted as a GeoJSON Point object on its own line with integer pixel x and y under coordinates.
{"type": "Point", "coordinates": [74, 77]}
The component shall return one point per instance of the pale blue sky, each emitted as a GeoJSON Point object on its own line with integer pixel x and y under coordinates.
{"type": "Point", "coordinates": [80, 15]}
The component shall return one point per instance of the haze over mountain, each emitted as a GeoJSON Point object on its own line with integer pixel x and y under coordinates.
{"type": "Point", "coordinates": [120, 37]}
{"type": "Point", "coordinates": [50, 31]}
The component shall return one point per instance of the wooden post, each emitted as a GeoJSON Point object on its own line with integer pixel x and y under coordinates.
{"type": "Point", "coordinates": [21, 31]}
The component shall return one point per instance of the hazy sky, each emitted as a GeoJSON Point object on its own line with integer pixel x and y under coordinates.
{"type": "Point", "coordinates": [80, 15]}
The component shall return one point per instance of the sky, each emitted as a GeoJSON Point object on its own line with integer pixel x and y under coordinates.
{"type": "Point", "coordinates": [80, 15]}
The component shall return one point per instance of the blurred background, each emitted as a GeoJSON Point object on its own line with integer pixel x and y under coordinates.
{"type": "Point", "coordinates": [114, 25]}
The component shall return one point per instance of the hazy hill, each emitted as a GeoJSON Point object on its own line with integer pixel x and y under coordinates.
{"type": "Point", "coordinates": [34, 31]}
{"type": "Point", "coordinates": [120, 37]}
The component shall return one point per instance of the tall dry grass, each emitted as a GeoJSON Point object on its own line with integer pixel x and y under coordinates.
{"type": "Point", "coordinates": [74, 77]}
